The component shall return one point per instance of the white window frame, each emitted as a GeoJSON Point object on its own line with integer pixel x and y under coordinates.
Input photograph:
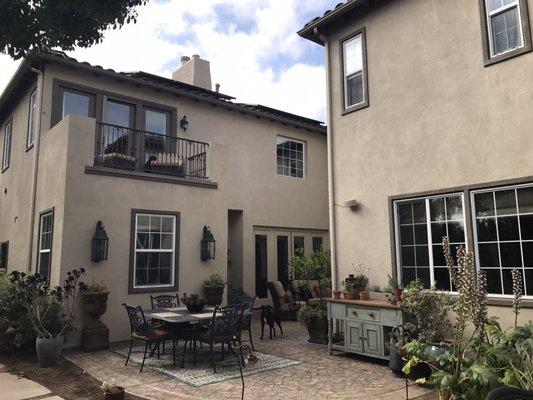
{"type": "Point", "coordinates": [397, 243]}
{"type": "Point", "coordinates": [304, 155]}
{"type": "Point", "coordinates": [491, 14]}
{"type": "Point", "coordinates": [361, 71]}
{"type": "Point", "coordinates": [172, 250]}
{"type": "Point", "coordinates": [49, 214]}
{"type": "Point", "coordinates": [6, 149]}
{"type": "Point", "coordinates": [30, 138]}
{"type": "Point", "coordinates": [474, 229]}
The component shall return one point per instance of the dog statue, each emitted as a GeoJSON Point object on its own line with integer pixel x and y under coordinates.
{"type": "Point", "coordinates": [269, 317]}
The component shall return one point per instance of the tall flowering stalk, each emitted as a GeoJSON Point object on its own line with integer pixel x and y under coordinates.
{"type": "Point", "coordinates": [517, 293]}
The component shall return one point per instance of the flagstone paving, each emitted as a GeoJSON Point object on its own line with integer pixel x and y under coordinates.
{"type": "Point", "coordinates": [13, 387]}
{"type": "Point", "coordinates": [319, 376]}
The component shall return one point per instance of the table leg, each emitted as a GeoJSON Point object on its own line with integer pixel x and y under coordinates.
{"type": "Point", "coordinates": [330, 335]}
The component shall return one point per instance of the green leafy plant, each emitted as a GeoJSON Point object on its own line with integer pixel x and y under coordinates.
{"type": "Point", "coordinates": [96, 288]}
{"type": "Point", "coordinates": [307, 313]}
{"type": "Point", "coordinates": [393, 284]}
{"type": "Point", "coordinates": [215, 280]}
{"type": "Point", "coordinates": [316, 266]}
{"type": "Point", "coordinates": [111, 387]}
{"type": "Point", "coordinates": [348, 286]}
{"type": "Point", "coordinates": [375, 288]}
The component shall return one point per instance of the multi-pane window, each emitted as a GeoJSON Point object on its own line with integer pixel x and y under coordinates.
{"type": "Point", "coordinates": [46, 232]}
{"type": "Point", "coordinates": [504, 236]}
{"type": "Point", "coordinates": [421, 225]}
{"type": "Point", "coordinates": [354, 71]}
{"type": "Point", "coordinates": [6, 150]}
{"type": "Point", "coordinates": [155, 250]}
{"type": "Point", "coordinates": [290, 157]}
{"type": "Point", "coordinates": [30, 139]}
{"type": "Point", "coordinates": [504, 25]}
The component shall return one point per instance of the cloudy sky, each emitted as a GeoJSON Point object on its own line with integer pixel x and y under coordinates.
{"type": "Point", "coordinates": [252, 45]}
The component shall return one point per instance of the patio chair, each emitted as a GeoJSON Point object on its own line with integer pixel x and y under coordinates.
{"type": "Point", "coordinates": [223, 328]}
{"type": "Point", "coordinates": [144, 332]}
{"type": "Point", "coordinates": [164, 301]}
{"type": "Point", "coordinates": [284, 305]}
{"type": "Point", "coordinates": [246, 323]}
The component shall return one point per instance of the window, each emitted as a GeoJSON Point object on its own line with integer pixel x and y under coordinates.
{"type": "Point", "coordinates": [30, 139]}
{"type": "Point", "coordinates": [6, 153]}
{"type": "Point", "coordinates": [261, 266]}
{"type": "Point", "coordinates": [156, 121]}
{"type": "Point", "coordinates": [154, 250]}
{"type": "Point", "coordinates": [290, 157]}
{"type": "Point", "coordinates": [46, 232]}
{"type": "Point", "coordinates": [120, 114]}
{"type": "Point", "coordinates": [354, 71]}
{"type": "Point", "coordinates": [317, 243]}
{"type": "Point", "coordinates": [504, 236]}
{"type": "Point", "coordinates": [4, 254]}
{"type": "Point", "coordinates": [420, 226]}
{"type": "Point", "coordinates": [507, 28]}
{"type": "Point", "coordinates": [72, 101]}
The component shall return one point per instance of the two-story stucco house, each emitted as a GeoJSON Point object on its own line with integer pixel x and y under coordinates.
{"type": "Point", "coordinates": [155, 159]}
{"type": "Point", "coordinates": [430, 133]}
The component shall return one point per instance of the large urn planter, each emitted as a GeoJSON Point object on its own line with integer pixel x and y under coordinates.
{"type": "Point", "coordinates": [318, 330]}
{"type": "Point", "coordinates": [49, 350]}
{"type": "Point", "coordinates": [95, 334]}
{"type": "Point", "coordinates": [118, 394]}
{"type": "Point", "coordinates": [213, 295]}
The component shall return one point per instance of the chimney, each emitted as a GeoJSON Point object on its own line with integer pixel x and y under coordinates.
{"type": "Point", "coordinates": [194, 71]}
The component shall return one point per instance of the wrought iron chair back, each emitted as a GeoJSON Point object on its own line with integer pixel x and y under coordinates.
{"type": "Point", "coordinates": [137, 320]}
{"type": "Point", "coordinates": [164, 301]}
{"type": "Point", "coordinates": [248, 304]}
{"type": "Point", "coordinates": [226, 322]}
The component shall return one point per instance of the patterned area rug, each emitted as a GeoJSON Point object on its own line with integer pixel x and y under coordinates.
{"type": "Point", "coordinates": [203, 373]}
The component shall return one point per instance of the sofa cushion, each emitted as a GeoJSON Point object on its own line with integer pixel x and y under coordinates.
{"type": "Point", "coordinates": [280, 291]}
{"type": "Point", "coordinates": [314, 287]}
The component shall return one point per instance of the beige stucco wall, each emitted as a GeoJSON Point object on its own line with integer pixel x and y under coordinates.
{"type": "Point", "coordinates": [437, 119]}
{"type": "Point", "coordinates": [242, 160]}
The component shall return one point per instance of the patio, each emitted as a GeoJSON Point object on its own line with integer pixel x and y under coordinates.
{"type": "Point", "coordinates": [318, 375]}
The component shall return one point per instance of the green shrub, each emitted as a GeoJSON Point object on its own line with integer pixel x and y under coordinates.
{"type": "Point", "coordinates": [214, 280]}
{"type": "Point", "coordinates": [306, 313]}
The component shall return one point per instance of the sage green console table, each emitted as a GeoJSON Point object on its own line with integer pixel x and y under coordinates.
{"type": "Point", "coordinates": [361, 327]}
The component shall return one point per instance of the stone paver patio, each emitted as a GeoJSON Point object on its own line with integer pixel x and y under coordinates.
{"type": "Point", "coordinates": [13, 387]}
{"type": "Point", "coordinates": [319, 376]}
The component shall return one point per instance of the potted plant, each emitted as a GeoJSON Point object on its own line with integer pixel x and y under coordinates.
{"type": "Point", "coordinates": [51, 311]}
{"type": "Point", "coordinates": [349, 290]}
{"type": "Point", "coordinates": [315, 319]}
{"type": "Point", "coordinates": [377, 294]}
{"type": "Point", "coordinates": [336, 294]}
{"type": "Point", "coordinates": [193, 302]}
{"type": "Point", "coordinates": [360, 282]}
{"type": "Point", "coordinates": [394, 289]}
{"type": "Point", "coordinates": [112, 391]}
{"type": "Point", "coordinates": [95, 335]}
{"type": "Point", "coordinates": [214, 289]}
{"type": "Point", "coordinates": [363, 296]}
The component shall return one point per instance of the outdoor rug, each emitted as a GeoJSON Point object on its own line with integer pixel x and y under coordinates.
{"type": "Point", "coordinates": [203, 373]}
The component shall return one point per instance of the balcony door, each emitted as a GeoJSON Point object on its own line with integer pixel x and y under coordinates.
{"type": "Point", "coordinates": [118, 136]}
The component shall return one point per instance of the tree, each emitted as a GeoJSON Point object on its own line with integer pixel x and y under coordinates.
{"type": "Point", "coordinates": [45, 24]}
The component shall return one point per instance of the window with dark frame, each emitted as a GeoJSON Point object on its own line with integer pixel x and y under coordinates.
{"type": "Point", "coordinates": [421, 224]}
{"type": "Point", "coordinates": [46, 233]}
{"type": "Point", "coordinates": [290, 157]}
{"type": "Point", "coordinates": [30, 139]}
{"type": "Point", "coordinates": [317, 243]}
{"type": "Point", "coordinates": [504, 236]}
{"type": "Point", "coordinates": [506, 26]}
{"type": "Point", "coordinates": [6, 150]}
{"type": "Point", "coordinates": [154, 258]}
{"type": "Point", "coordinates": [4, 255]}
{"type": "Point", "coordinates": [354, 80]}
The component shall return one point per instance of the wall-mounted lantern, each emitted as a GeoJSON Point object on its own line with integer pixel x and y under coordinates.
{"type": "Point", "coordinates": [208, 245]}
{"type": "Point", "coordinates": [184, 124]}
{"type": "Point", "coordinates": [100, 243]}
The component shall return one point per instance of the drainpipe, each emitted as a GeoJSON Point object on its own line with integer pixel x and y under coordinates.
{"type": "Point", "coordinates": [331, 192]}
{"type": "Point", "coordinates": [38, 114]}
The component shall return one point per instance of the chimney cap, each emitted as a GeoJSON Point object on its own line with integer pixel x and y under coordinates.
{"type": "Point", "coordinates": [184, 59]}
{"type": "Point", "coordinates": [195, 56]}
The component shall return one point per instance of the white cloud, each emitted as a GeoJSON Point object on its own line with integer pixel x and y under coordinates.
{"type": "Point", "coordinates": [265, 64]}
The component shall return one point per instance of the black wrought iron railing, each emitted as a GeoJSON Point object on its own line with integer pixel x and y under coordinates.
{"type": "Point", "coordinates": [136, 150]}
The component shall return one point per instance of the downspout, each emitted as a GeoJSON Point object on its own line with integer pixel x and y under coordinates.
{"type": "Point", "coordinates": [331, 192]}
{"type": "Point", "coordinates": [38, 114]}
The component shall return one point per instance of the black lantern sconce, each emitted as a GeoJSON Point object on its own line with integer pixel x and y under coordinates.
{"type": "Point", "coordinates": [184, 124]}
{"type": "Point", "coordinates": [208, 245]}
{"type": "Point", "coordinates": [100, 243]}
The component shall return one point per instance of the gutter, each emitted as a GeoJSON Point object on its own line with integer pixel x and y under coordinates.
{"type": "Point", "coordinates": [38, 114]}
{"type": "Point", "coordinates": [331, 186]}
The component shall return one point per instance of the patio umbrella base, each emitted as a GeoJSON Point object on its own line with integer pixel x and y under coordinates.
{"type": "Point", "coordinates": [95, 338]}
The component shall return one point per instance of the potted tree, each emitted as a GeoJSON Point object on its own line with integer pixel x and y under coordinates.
{"type": "Point", "coordinates": [314, 317]}
{"type": "Point", "coordinates": [51, 311]}
{"type": "Point", "coordinates": [214, 289]}
{"type": "Point", "coordinates": [112, 391]}
{"type": "Point", "coordinates": [95, 335]}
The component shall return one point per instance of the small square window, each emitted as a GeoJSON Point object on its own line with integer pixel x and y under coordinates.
{"type": "Point", "coordinates": [292, 163]}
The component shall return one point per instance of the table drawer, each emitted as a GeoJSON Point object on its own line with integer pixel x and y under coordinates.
{"type": "Point", "coordinates": [337, 311]}
{"type": "Point", "coordinates": [363, 314]}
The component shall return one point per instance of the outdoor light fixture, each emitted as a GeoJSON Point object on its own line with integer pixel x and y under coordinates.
{"type": "Point", "coordinates": [184, 124]}
{"type": "Point", "coordinates": [100, 243]}
{"type": "Point", "coordinates": [208, 245]}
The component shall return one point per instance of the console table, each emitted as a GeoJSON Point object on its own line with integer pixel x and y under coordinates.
{"type": "Point", "coordinates": [362, 327]}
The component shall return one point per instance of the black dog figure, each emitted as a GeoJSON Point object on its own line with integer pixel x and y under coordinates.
{"type": "Point", "coordinates": [269, 317]}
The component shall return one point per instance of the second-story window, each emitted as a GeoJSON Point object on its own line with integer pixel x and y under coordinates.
{"type": "Point", "coordinates": [354, 71]}
{"type": "Point", "coordinates": [507, 29]}
{"type": "Point", "coordinates": [77, 103]}
{"type": "Point", "coordinates": [290, 157]}
{"type": "Point", "coordinates": [31, 119]}
{"type": "Point", "coordinates": [6, 151]}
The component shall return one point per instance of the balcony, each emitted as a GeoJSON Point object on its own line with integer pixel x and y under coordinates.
{"type": "Point", "coordinates": [128, 149]}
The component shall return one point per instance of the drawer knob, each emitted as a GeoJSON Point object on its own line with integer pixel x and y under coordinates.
{"type": "Point", "coordinates": [354, 313]}
{"type": "Point", "coordinates": [371, 315]}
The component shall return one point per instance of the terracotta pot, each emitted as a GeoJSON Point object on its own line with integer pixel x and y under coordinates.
{"type": "Point", "coordinates": [213, 295]}
{"type": "Point", "coordinates": [363, 295]}
{"type": "Point", "coordinates": [115, 396]}
{"type": "Point", "coordinates": [336, 294]}
{"type": "Point", "coordinates": [350, 295]}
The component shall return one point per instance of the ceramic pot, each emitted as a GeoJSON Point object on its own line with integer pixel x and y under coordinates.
{"type": "Point", "coordinates": [396, 363]}
{"type": "Point", "coordinates": [49, 350]}
{"type": "Point", "coordinates": [318, 330]}
{"type": "Point", "coordinates": [352, 295]}
{"type": "Point", "coordinates": [213, 295]}
{"type": "Point", "coordinates": [196, 306]}
{"type": "Point", "coordinates": [115, 396]}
